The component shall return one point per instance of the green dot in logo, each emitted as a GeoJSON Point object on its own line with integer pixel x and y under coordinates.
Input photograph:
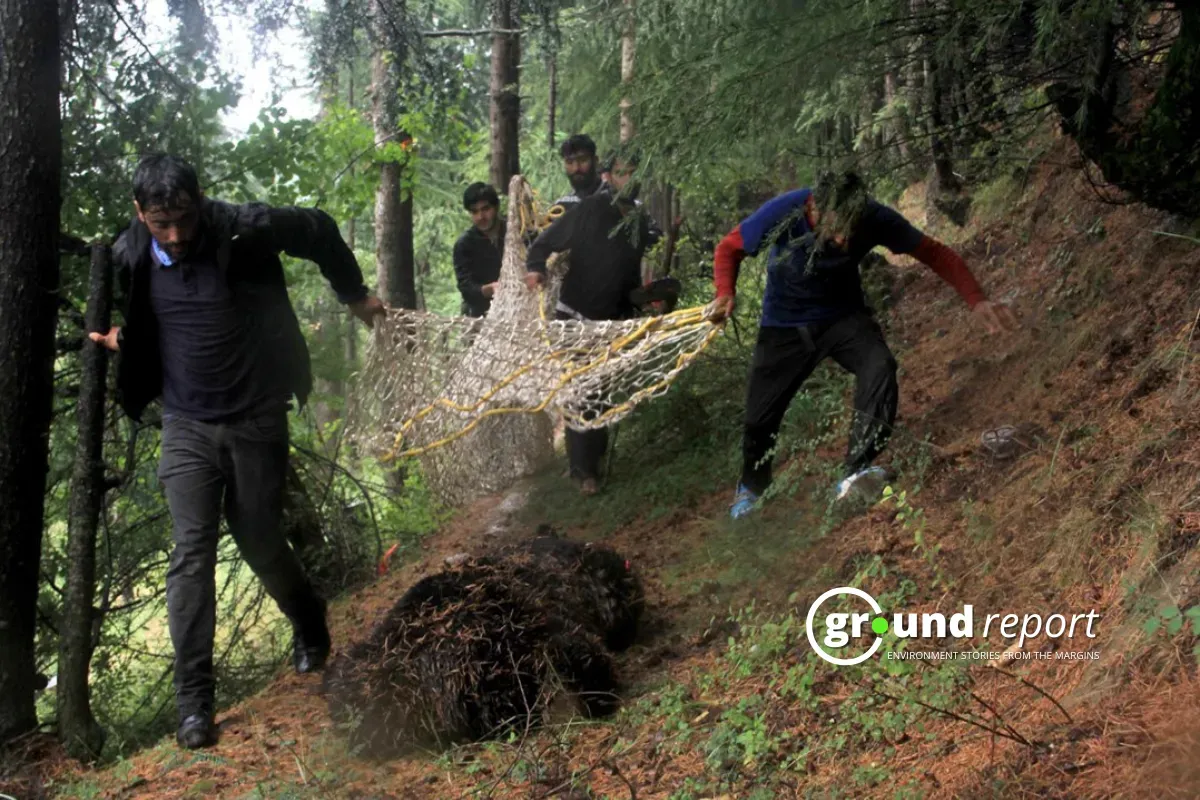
{"type": "Point", "coordinates": [879, 625]}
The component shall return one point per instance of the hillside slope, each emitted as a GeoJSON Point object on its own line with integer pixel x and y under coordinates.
{"type": "Point", "coordinates": [1096, 507]}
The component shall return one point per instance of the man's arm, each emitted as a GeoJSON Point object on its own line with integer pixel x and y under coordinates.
{"type": "Point", "coordinates": [555, 239]}
{"type": "Point", "coordinates": [951, 268]}
{"type": "Point", "coordinates": [748, 237]}
{"type": "Point", "coordinates": [899, 235]}
{"type": "Point", "coordinates": [468, 287]}
{"type": "Point", "coordinates": [311, 234]}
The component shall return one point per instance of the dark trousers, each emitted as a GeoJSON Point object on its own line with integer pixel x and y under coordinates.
{"type": "Point", "coordinates": [585, 449]}
{"type": "Point", "coordinates": [241, 466]}
{"type": "Point", "coordinates": [783, 360]}
{"type": "Point", "coordinates": [585, 452]}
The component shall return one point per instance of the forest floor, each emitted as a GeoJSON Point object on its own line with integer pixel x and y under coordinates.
{"type": "Point", "coordinates": [1098, 507]}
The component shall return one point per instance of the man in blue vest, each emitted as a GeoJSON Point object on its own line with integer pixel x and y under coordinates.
{"type": "Point", "coordinates": [814, 308]}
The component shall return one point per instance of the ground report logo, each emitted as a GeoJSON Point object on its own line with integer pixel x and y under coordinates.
{"type": "Point", "coordinates": [1072, 632]}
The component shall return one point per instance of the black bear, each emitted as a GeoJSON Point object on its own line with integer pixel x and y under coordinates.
{"type": "Point", "coordinates": [473, 652]}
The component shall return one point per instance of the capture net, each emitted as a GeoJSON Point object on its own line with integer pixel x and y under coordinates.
{"type": "Point", "coordinates": [474, 399]}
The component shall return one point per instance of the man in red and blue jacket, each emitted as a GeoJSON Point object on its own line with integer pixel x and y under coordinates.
{"type": "Point", "coordinates": [814, 308]}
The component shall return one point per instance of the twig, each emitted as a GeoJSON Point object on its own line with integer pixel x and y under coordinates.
{"type": "Point", "coordinates": [1054, 457]}
{"type": "Point", "coordinates": [611, 766]}
{"type": "Point", "coordinates": [1177, 236]}
{"type": "Point", "coordinates": [1037, 689]}
{"type": "Point", "coordinates": [464, 32]}
{"type": "Point", "coordinates": [175, 80]}
{"type": "Point", "coordinates": [959, 717]}
{"type": "Point", "coordinates": [1001, 720]}
{"type": "Point", "coordinates": [366, 494]}
{"type": "Point", "coordinates": [1187, 348]}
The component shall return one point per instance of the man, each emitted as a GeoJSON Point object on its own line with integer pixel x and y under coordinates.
{"type": "Point", "coordinates": [606, 239]}
{"type": "Point", "coordinates": [579, 161]}
{"type": "Point", "coordinates": [209, 328]}
{"type": "Point", "coordinates": [479, 252]}
{"type": "Point", "coordinates": [814, 308]}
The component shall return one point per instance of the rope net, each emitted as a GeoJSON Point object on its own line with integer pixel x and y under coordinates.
{"type": "Point", "coordinates": [474, 399]}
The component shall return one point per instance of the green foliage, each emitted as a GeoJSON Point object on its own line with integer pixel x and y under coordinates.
{"type": "Point", "coordinates": [1170, 620]}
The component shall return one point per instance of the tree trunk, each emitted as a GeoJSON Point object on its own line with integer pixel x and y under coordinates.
{"type": "Point", "coordinates": [628, 53]}
{"type": "Point", "coordinates": [77, 729]}
{"type": "Point", "coordinates": [393, 210]}
{"type": "Point", "coordinates": [505, 110]}
{"type": "Point", "coordinates": [945, 189]}
{"type": "Point", "coordinates": [30, 196]}
{"type": "Point", "coordinates": [1155, 156]}
{"type": "Point", "coordinates": [553, 110]}
{"type": "Point", "coordinates": [896, 127]}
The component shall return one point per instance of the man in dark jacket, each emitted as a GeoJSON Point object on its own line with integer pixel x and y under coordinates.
{"type": "Point", "coordinates": [479, 252]}
{"type": "Point", "coordinates": [209, 328]}
{"type": "Point", "coordinates": [814, 309]}
{"type": "Point", "coordinates": [579, 162]}
{"type": "Point", "coordinates": [607, 235]}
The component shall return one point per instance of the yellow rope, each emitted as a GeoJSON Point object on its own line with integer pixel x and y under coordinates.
{"type": "Point", "coordinates": [673, 323]}
{"type": "Point", "coordinates": [676, 321]}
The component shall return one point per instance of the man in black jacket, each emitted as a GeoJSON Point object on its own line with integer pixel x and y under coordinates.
{"type": "Point", "coordinates": [479, 252]}
{"type": "Point", "coordinates": [579, 162]}
{"type": "Point", "coordinates": [209, 327]}
{"type": "Point", "coordinates": [607, 234]}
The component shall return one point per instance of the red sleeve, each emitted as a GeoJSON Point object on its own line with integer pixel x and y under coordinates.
{"type": "Point", "coordinates": [726, 260]}
{"type": "Point", "coordinates": [951, 268]}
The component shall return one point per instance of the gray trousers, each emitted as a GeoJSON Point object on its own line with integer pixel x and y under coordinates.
{"type": "Point", "coordinates": [240, 467]}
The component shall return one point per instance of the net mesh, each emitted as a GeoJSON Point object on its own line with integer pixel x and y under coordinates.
{"type": "Point", "coordinates": [474, 399]}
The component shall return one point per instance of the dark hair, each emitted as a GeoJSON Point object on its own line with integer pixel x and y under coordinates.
{"type": "Point", "coordinates": [579, 143]}
{"type": "Point", "coordinates": [480, 191]}
{"type": "Point", "coordinates": [160, 181]}
{"type": "Point", "coordinates": [627, 154]}
{"type": "Point", "coordinates": [845, 195]}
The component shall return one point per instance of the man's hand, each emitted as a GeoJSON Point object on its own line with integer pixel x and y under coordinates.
{"type": "Point", "coordinates": [368, 309]}
{"type": "Point", "coordinates": [722, 309]}
{"type": "Point", "coordinates": [489, 289]}
{"type": "Point", "coordinates": [108, 340]}
{"type": "Point", "coordinates": [534, 280]}
{"type": "Point", "coordinates": [996, 317]}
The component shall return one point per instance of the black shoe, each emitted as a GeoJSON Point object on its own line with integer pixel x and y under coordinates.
{"type": "Point", "coordinates": [310, 650]}
{"type": "Point", "coordinates": [196, 731]}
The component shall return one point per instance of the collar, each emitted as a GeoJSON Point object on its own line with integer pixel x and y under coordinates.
{"type": "Point", "coordinates": [159, 254]}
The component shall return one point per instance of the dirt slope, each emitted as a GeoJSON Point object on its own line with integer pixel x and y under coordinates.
{"type": "Point", "coordinates": [1098, 507]}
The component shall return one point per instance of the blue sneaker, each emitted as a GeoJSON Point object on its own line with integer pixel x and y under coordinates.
{"type": "Point", "coordinates": [744, 501]}
{"type": "Point", "coordinates": [866, 484]}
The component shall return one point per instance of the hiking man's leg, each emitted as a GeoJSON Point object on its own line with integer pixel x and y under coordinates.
{"type": "Point", "coordinates": [256, 456]}
{"type": "Point", "coordinates": [585, 452]}
{"type": "Point", "coordinates": [190, 472]}
{"type": "Point", "coordinates": [857, 344]}
{"type": "Point", "coordinates": [783, 360]}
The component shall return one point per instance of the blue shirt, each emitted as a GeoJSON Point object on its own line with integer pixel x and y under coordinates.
{"type": "Point", "coordinates": [807, 283]}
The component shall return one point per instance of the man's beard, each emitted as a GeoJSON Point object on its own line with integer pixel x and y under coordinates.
{"type": "Point", "coordinates": [582, 182]}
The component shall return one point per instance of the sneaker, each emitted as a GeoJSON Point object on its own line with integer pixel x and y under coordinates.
{"type": "Point", "coordinates": [866, 484]}
{"type": "Point", "coordinates": [744, 501]}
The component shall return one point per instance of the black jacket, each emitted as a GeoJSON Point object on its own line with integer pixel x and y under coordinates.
{"type": "Point", "coordinates": [606, 255]}
{"type": "Point", "coordinates": [248, 240]}
{"type": "Point", "coordinates": [477, 263]}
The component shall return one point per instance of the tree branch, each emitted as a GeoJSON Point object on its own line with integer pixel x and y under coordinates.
{"type": "Point", "coordinates": [467, 33]}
